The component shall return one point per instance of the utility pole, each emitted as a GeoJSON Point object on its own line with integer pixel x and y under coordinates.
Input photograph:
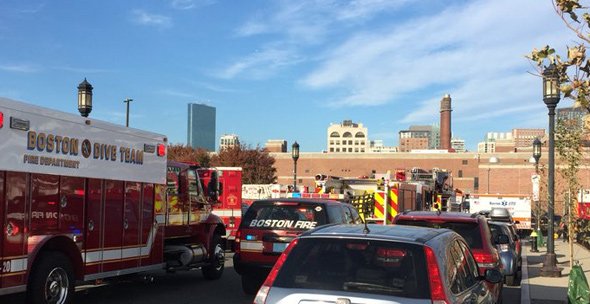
{"type": "Point", "coordinates": [127, 101]}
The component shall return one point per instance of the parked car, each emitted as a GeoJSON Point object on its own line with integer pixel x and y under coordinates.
{"type": "Point", "coordinates": [503, 215]}
{"type": "Point", "coordinates": [381, 264]}
{"type": "Point", "coordinates": [473, 228]}
{"type": "Point", "coordinates": [507, 248]}
{"type": "Point", "coordinates": [268, 226]}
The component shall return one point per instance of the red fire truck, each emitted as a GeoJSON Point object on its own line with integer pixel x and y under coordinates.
{"type": "Point", "coordinates": [82, 200]}
{"type": "Point", "coordinates": [229, 203]}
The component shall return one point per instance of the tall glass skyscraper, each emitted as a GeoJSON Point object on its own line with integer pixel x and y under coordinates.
{"type": "Point", "coordinates": [201, 126]}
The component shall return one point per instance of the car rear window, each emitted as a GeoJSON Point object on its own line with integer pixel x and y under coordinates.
{"type": "Point", "coordinates": [353, 265]}
{"type": "Point", "coordinates": [469, 231]}
{"type": "Point", "coordinates": [284, 215]}
{"type": "Point", "coordinates": [497, 229]}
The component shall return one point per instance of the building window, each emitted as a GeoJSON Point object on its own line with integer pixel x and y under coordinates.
{"type": "Point", "coordinates": [347, 134]}
{"type": "Point", "coordinates": [465, 162]}
{"type": "Point", "coordinates": [350, 142]}
{"type": "Point", "coordinates": [359, 135]}
{"type": "Point", "coordinates": [476, 183]}
{"type": "Point", "coordinates": [337, 149]}
{"type": "Point", "coordinates": [331, 142]}
{"type": "Point", "coordinates": [460, 173]}
{"type": "Point", "coordinates": [362, 150]}
{"type": "Point", "coordinates": [349, 149]}
{"type": "Point", "coordinates": [331, 149]}
{"type": "Point", "coordinates": [356, 149]}
{"type": "Point", "coordinates": [334, 134]}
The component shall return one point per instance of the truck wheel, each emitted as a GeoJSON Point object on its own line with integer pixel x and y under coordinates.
{"type": "Point", "coordinates": [52, 280]}
{"type": "Point", "coordinates": [251, 284]}
{"type": "Point", "coordinates": [217, 264]}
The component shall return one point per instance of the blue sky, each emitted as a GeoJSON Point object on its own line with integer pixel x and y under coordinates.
{"type": "Point", "coordinates": [284, 69]}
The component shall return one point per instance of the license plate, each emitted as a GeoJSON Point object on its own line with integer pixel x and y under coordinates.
{"type": "Point", "coordinates": [279, 247]}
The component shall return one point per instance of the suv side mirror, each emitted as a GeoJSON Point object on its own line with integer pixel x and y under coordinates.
{"type": "Point", "coordinates": [502, 239]}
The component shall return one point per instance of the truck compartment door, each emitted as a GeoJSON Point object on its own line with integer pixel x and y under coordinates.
{"type": "Point", "coordinates": [13, 248]}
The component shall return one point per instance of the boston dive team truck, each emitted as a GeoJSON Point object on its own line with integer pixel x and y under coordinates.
{"type": "Point", "coordinates": [83, 200]}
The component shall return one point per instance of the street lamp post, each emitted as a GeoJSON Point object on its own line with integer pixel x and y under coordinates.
{"type": "Point", "coordinates": [85, 98]}
{"type": "Point", "coordinates": [295, 155]}
{"type": "Point", "coordinates": [127, 101]}
{"type": "Point", "coordinates": [537, 157]}
{"type": "Point", "coordinates": [551, 97]}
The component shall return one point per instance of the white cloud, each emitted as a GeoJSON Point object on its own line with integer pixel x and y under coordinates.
{"type": "Point", "coordinates": [191, 4]}
{"type": "Point", "coordinates": [260, 64]}
{"type": "Point", "coordinates": [474, 51]}
{"type": "Point", "coordinates": [145, 18]}
{"type": "Point", "coordinates": [366, 8]}
{"type": "Point", "coordinates": [81, 70]}
{"type": "Point", "coordinates": [19, 68]}
{"type": "Point", "coordinates": [300, 24]}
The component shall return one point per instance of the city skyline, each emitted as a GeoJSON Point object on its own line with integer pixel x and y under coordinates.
{"type": "Point", "coordinates": [283, 69]}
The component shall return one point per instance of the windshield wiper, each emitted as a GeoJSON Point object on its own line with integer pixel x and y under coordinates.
{"type": "Point", "coordinates": [370, 287]}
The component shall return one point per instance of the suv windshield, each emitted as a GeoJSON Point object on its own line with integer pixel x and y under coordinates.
{"type": "Point", "coordinates": [362, 266]}
{"type": "Point", "coordinates": [284, 215]}
{"type": "Point", "coordinates": [468, 230]}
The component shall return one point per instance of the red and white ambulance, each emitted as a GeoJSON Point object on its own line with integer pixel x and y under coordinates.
{"type": "Point", "coordinates": [82, 200]}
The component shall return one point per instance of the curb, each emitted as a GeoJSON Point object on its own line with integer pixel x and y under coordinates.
{"type": "Point", "coordinates": [525, 293]}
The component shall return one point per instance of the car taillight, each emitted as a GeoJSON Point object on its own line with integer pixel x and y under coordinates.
{"type": "Point", "coordinates": [1, 119]}
{"type": "Point", "coordinates": [485, 259]}
{"type": "Point", "coordinates": [437, 290]}
{"type": "Point", "coordinates": [237, 241]}
{"type": "Point", "coordinates": [265, 288]}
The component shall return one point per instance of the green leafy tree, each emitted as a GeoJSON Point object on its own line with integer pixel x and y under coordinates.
{"type": "Point", "coordinates": [189, 154]}
{"type": "Point", "coordinates": [574, 72]}
{"type": "Point", "coordinates": [568, 142]}
{"type": "Point", "coordinates": [257, 164]}
{"type": "Point", "coordinates": [575, 67]}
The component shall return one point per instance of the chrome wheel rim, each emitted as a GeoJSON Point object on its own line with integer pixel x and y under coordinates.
{"type": "Point", "coordinates": [57, 286]}
{"type": "Point", "coordinates": [219, 257]}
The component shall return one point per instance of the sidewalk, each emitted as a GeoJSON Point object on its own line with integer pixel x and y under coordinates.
{"type": "Point", "coordinates": [543, 290]}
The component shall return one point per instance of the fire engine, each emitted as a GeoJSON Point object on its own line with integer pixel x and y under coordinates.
{"type": "Point", "coordinates": [378, 199]}
{"type": "Point", "coordinates": [228, 206]}
{"type": "Point", "coordinates": [83, 200]}
{"type": "Point", "coordinates": [583, 204]}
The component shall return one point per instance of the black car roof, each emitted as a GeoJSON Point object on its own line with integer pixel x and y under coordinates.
{"type": "Point", "coordinates": [402, 233]}
{"type": "Point", "coordinates": [298, 200]}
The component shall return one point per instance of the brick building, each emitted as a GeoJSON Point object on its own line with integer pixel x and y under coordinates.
{"type": "Point", "coordinates": [276, 145]}
{"type": "Point", "coordinates": [508, 173]}
{"type": "Point", "coordinates": [525, 137]}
